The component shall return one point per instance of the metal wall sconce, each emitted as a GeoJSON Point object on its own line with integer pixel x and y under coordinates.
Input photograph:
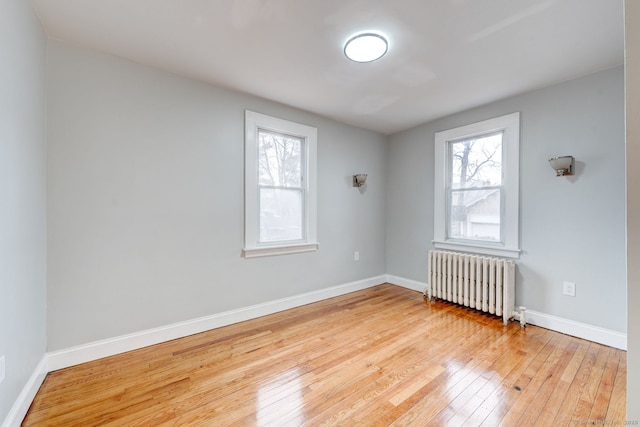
{"type": "Point", "coordinates": [563, 165]}
{"type": "Point", "coordinates": [359, 179]}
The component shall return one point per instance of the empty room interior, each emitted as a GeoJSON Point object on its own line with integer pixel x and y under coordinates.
{"type": "Point", "coordinates": [222, 213]}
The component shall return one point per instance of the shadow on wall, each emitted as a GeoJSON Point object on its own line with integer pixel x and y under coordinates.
{"type": "Point", "coordinates": [580, 168]}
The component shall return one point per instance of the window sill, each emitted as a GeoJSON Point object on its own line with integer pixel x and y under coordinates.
{"type": "Point", "coordinates": [279, 250]}
{"type": "Point", "coordinates": [478, 249]}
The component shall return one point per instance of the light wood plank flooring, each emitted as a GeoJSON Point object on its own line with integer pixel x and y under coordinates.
{"type": "Point", "coordinates": [378, 357]}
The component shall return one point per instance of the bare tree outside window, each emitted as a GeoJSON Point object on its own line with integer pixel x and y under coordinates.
{"type": "Point", "coordinates": [475, 188]}
{"type": "Point", "coordinates": [279, 160]}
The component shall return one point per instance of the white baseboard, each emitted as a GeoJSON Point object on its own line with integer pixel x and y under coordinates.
{"type": "Point", "coordinates": [578, 329]}
{"type": "Point", "coordinates": [21, 405]}
{"type": "Point", "coordinates": [407, 283]}
{"type": "Point", "coordinates": [547, 321]}
{"type": "Point", "coordinates": [96, 350]}
{"type": "Point", "coordinates": [64, 358]}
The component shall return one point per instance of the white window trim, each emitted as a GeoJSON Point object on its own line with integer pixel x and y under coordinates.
{"type": "Point", "coordinates": [510, 126]}
{"type": "Point", "coordinates": [253, 122]}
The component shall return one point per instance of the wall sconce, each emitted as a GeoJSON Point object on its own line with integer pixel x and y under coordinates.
{"type": "Point", "coordinates": [359, 179]}
{"type": "Point", "coordinates": [563, 165]}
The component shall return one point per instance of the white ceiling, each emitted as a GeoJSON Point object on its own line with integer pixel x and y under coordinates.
{"type": "Point", "coordinates": [445, 56]}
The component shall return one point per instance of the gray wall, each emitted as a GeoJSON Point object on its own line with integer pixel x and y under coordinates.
{"type": "Point", "coordinates": [632, 17]}
{"type": "Point", "coordinates": [22, 197]}
{"type": "Point", "coordinates": [145, 201]}
{"type": "Point", "coordinates": [572, 228]}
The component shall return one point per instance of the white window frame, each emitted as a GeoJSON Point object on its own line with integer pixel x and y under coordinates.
{"type": "Point", "coordinates": [509, 125]}
{"type": "Point", "coordinates": [252, 245]}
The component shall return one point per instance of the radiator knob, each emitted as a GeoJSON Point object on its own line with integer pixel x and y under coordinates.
{"type": "Point", "coordinates": [523, 316]}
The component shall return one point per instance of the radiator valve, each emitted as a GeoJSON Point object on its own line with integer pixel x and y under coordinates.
{"type": "Point", "coordinates": [522, 316]}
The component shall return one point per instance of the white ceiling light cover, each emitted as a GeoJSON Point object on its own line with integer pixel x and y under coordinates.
{"type": "Point", "coordinates": [366, 47]}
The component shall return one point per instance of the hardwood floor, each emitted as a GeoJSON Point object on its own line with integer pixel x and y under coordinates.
{"type": "Point", "coordinates": [378, 357]}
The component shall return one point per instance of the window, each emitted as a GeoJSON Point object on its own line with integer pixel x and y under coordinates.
{"type": "Point", "coordinates": [476, 205]}
{"type": "Point", "coordinates": [280, 196]}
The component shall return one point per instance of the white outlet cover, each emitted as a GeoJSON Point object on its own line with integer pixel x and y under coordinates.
{"type": "Point", "coordinates": [569, 288]}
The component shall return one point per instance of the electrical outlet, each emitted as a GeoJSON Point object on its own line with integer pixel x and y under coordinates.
{"type": "Point", "coordinates": [356, 256]}
{"type": "Point", "coordinates": [1, 368]}
{"type": "Point", "coordinates": [569, 288]}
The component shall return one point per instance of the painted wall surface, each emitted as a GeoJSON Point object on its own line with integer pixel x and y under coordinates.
{"type": "Point", "coordinates": [22, 197]}
{"type": "Point", "coordinates": [145, 201]}
{"type": "Point", "coordinates": [572, 228]}
{"type": "Point", "coordinates": [632, 73]}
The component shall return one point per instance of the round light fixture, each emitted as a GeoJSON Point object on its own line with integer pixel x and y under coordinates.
{"type": "Point", "coordinates": [366, 47]}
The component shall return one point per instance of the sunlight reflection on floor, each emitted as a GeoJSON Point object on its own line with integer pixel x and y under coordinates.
{"type": "Point", "coordinates": [472, 392]}
{"type": "Point", "coordinates": [280, 398]}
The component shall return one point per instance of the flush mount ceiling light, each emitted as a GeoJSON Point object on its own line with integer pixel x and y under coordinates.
{"type": "Point", "coordinates": [366, 47]}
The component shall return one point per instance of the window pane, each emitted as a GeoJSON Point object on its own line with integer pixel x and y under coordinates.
{"type": "Point", "coordinates": [279, 159]}
{"type": "Point", "coordinates": [476, 162]}
{"type": "Point", "coordinates": [280, 215]}
{"type": "Point", "coordinates": [475, 215]}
